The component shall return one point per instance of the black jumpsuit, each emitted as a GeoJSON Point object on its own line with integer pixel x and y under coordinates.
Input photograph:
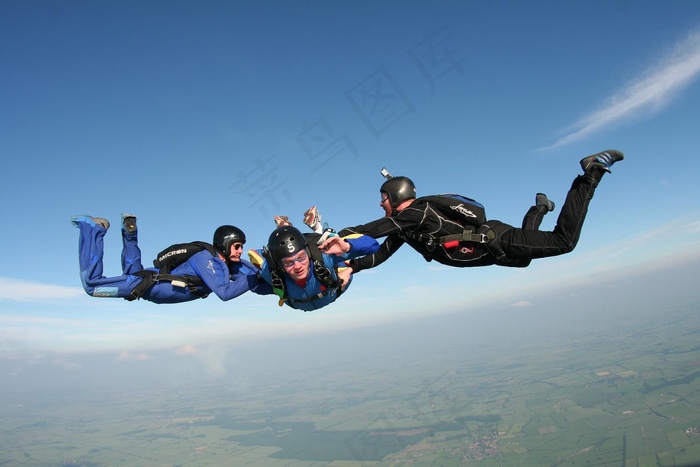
{"type": "Point", "coordinates": [421, 221]}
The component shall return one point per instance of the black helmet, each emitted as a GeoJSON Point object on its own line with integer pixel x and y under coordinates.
{"type": "Point", "coordinates": [285, 241]}
{"type": "Point", "coordinates": [225, 236]}
{"type": "Point", "coordinates": [398, 189]}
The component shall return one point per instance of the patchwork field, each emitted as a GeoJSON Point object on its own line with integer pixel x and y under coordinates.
{"type": "Point", "coordinates": [629, 395]}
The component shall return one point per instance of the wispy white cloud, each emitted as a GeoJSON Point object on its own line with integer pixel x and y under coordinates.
{"type": "Point", "coordinates": [25, 291]}
{"type": "Point", "coordinates": [659, 84]}
{"type": "Point", "coordinates": [127, 356]}
{"type": "Point", "coordinates": [521, 304]}
{"type": "Point", "coordinates": [7, 320]}
{"type": "Point", "coordinates": [693, 227]}
{"type": "Point", "coordinates": [188, 349]}
{"type": "Point", "coordinates": [66, 364]}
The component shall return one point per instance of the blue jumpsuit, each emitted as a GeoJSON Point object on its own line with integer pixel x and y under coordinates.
{"type": "Point", "coordinates": [302, 298]}
{"type": "Point", "coordinates": [215, 273]}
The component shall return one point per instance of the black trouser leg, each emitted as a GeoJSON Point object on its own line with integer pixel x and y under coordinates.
{"type": "Point", "coordinates": [533, 217]}
{"type": "Point", "coordinates": [522, 243]}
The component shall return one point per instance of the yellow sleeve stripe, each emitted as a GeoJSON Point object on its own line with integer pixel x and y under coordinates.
{"type": "Point", "coordinates": [255, 258]}
{"type": "Point", "coordinates": [351, 236]}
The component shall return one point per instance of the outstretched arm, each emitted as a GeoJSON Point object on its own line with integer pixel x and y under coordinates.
{"type": "Point", "coordinates": [390, 245]}
{"type": "Point", "coordinates": [376, 229]}
{"type": "Point", "coordinates": [215, 274]}
{"type": "Point", "coordinates": [407, 219]}
{"type": "Point", "coordinates": [350, 246]}
{"type": "Point", "coordinates": [253, 275]}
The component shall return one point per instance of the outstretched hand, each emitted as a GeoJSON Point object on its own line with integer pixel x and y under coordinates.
{"type": "Point", "coordinates": [335, 246]}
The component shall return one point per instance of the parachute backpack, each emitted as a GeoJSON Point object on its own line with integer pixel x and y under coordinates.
{"type": "Point", "coordinates": [176, 254]}
{"type": "Point", "coordinates": [467, 212]}
{"type": "Point", "coordinates": [166, 261]}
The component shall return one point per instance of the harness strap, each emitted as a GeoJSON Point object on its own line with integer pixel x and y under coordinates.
{"type": "Point", "coordinates": [277, 283]}
{"type": "Point", "coordinates": [430, 242]}
{"type": "Point", "coordinates": [467, 235]}
{"type": "Point", "coordinates": [493, 242]}
{"type": "Point", "coordinates": [484, 234]}
{"type": "Point", "coordinates": [308, 299]}
{"type": "Point", "coordinates": [324, 275]}
{"type": "Point", "coordinates": [149, 278]}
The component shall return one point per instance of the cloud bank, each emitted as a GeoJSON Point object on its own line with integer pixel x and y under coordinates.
{"type": "Point", "coordinates": [25, 291]}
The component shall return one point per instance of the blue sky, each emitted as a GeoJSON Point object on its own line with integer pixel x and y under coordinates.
{"type": "Point", "coordinates": [197, 114]}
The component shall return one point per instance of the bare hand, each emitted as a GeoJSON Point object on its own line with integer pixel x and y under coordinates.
{"type": "Point", "coordinates": [335, 246]}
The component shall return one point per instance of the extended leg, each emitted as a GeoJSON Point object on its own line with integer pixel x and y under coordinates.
{"type": "Point", "coordinates": [131, 254]}
{"type": "Point", "coordinates": [90, 256]}
{"type": "Point", "coordinates": [520, 243]}
{"type": "Point", "coordinates": [533, 217]}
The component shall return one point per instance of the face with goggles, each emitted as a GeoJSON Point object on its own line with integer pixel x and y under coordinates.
{"type": "Point", "coordinates": [297, 265]}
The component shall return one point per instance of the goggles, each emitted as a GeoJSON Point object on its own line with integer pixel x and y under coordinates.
{"type": "Point", "coordinates": [300, 258]}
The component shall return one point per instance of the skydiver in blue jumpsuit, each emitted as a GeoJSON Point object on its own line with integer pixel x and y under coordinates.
{"type": "Point", "coordinates": [227, 275]}
{"type": "Point", "coordinates": [305, 285]}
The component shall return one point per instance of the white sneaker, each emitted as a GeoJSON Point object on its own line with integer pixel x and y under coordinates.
{"type": "Point", "coordinates": [312, 218]}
